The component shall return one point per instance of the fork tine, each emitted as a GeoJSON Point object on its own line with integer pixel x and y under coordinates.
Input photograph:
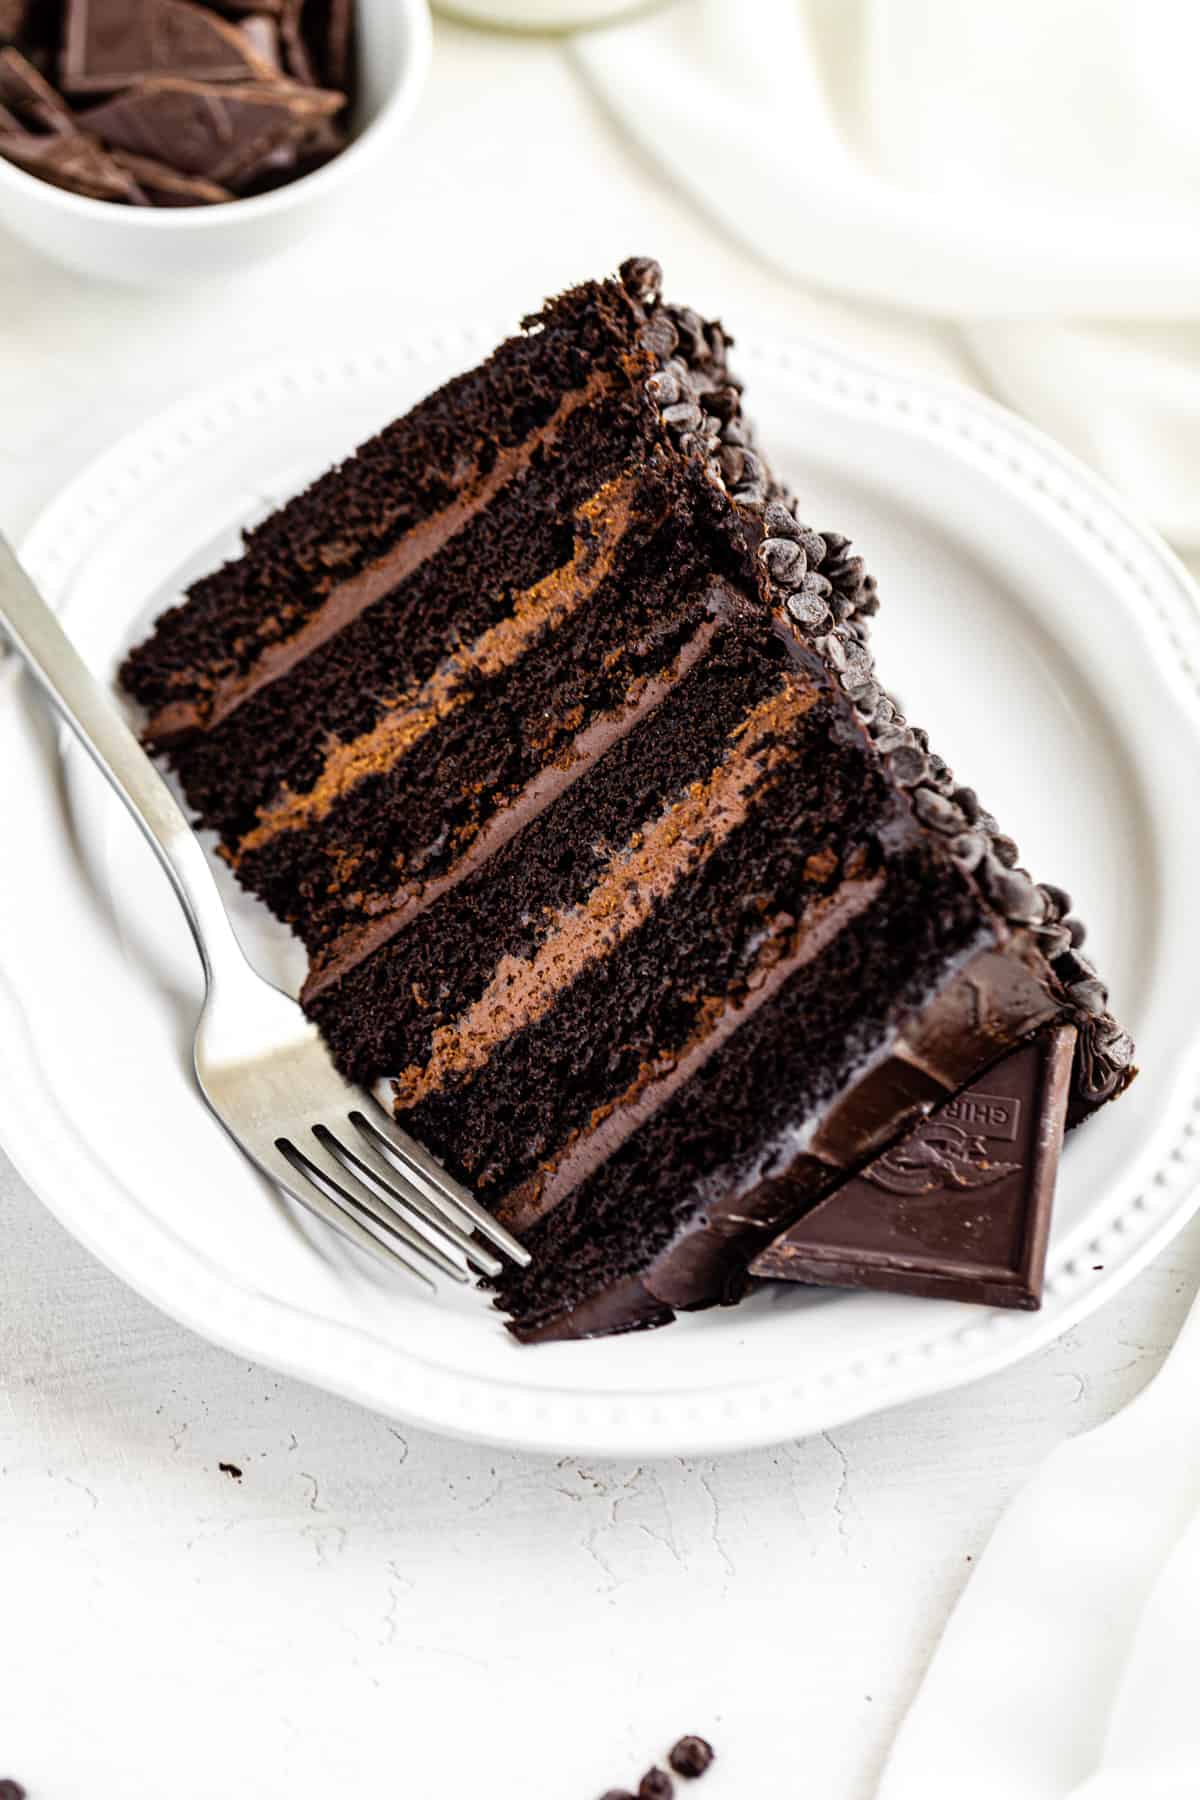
{"type": "Point", "coordinates": [403, 1200]}
{"type": "Point", "coordinates": [343, 1188]}
{"type": "Point", "coordinates": [329, 1207]}
{"type": "Point", "coordinates": [414, 1161]}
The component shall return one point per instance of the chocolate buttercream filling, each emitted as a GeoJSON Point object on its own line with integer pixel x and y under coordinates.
{"type": "Point", "coordinates": [788, 948]}
{"type": "Point", "coordinates": [396, 912]}
{"type": "Point", "coordinates": [603, 521]}
{"type": "Point", "coordinates": [345, 600]}
{"type": "Point", "coordinates": [637, 878]}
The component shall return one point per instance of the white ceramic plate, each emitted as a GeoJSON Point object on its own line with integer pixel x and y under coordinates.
{"type": "Point", "coordinates": [1051, 645]}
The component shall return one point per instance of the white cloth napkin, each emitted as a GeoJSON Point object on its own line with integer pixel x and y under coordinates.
{"type": "Point", "coordinates": [1030, 171]}
{"type": "Point", "coordinates": [1069, 1669]}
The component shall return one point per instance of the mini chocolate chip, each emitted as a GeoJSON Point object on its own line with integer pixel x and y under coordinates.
{"type": "Point", "coordinates": [892, 737]}
{"type": "Point", "coordinates": [908, 765]}
{"type": "Point", "coordinates": [735, 431]}
{"type": "Point", "coordinates": [655, 1784]}
{"type": "Point", "coordinates": [866, 700]}
{"type": "Point", "coordinates": [721, 402]}
{"type": "Point", "coordinates": [659, 336]}
{"type": "Point", "coordinates": [643, 277]}
{"type": "Point", "coordinates": [691, 1756]}
{"type": "Point", "coordinates": [1013, 892]}
{"type": "Point", "coordinates": [685, 416]}
{"type": "Point", "coordinates": [835, 543]}
{"type": "Point", "coordinates": [665, 386]}
{"type": "Point", "coordinates": [1005, 850]}
{"type": "Point", "coordinates": [968, 850]}
{"type": "Point", "coordinates": [922, 738]}
{"type": "Point", "coordinates": [810, 611]}
{"type": "Point", "coordinates": [785, 561]}
{"type": "Point", "coordinates": [717, 341]}
{"type": "Point", "coordinates": [859, 661]}
{"type": "Point", "coordinates": [1090, 995]}
{"type": "Point", "coordinates": [940, 772]}
{"type": "Point", "coordinates": [1078, 931]}
{"type": "Point", "coordinates": [1054, 940]}
{"type": "Point", "coordinates": [779, 522]}
{"type": "Point", "coordinates": [815, 547]}
{"type": "Point", "coordinates": [968, 800]}
{"type": "Point", "coordinates": [886, 713]}
{"type": "Point", "coordinates": [833, 649]}
{"type": "Point", "coordinates": [1058, 897]}
{"type": "Point", "coordinates": [934, 810]}
{"type": "Point", "coordinates": [1116, 1045]}
{"type": "Point", "coordinates": [690, 327]}
{"type": "Point", "coordinates": [732, 461]}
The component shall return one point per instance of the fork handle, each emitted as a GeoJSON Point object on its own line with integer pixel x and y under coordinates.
{"type": "Point", "coordinates": [85, 707]}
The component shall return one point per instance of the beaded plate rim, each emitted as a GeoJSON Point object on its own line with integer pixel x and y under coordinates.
{"type": "Point", "coordinates": [59, 1165]}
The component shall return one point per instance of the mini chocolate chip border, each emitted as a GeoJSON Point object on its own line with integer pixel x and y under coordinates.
{"type": "Point", "coordinates": [829, 597]}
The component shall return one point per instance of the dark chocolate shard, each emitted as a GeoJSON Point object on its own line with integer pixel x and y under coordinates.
{"type": "Point", "coordinates": [328, 30]}
{"type": "Point", "coordinates": [110, 43]}
{"type": "Point", "coordinates": [961, 1207]}
{"type": "Point", "coordinates": [29, 95]}
{"type": "Point", "coordinates": [261, 31]}
{"type": "Point", "coordinates": [164, 186]}
{"type": "Point", "coordinates": [76, 163]}
{"type": "Point", "coordinates": [203, 128]}
{"type": "Point", "coordinates": [13, 20]}
{"type": "Point", "coordinates": [297, 57]}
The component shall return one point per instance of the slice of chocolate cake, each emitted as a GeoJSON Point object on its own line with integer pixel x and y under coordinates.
{"type": "Point", "coordinates": [556, 736]}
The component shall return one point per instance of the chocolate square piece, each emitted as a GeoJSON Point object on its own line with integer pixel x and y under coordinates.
{"type": "Point", "coordinates": [959, 1208]}
{"type": "Point", "coordinates": [111, 43]}
{"type": "Point", "coordinates": [204, 128]}
{"type": "Point", "coordinates": [29, 95]}
{"type": "Point", "coordinates": [74, 162]}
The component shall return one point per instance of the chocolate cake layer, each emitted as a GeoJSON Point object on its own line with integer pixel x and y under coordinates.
{"type": "Point", "coordinates": [309, 569]}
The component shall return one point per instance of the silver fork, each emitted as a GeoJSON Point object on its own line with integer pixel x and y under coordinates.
{"type": "Point", "coordinates": [260, 1064]}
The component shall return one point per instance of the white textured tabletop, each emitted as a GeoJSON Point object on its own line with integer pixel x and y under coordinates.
{"type": "Point", "coordinates": [345, 1607]}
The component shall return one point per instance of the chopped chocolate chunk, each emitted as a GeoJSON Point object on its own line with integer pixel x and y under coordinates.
{"type": "Point", "coordinates": [261, 31]}
{"type": "Point", "coordinates": [164, 186]}
{"type": "Point", "coordinates": [111, 43]}
{"type": "Point", "coordinates": [13, 20]}
{"type": "Point", "coordinates": [297, 56]}
{"type": "Point", "coordinates": [959, 1208]}
{"type": "Point", "coordinates": [28, 94]}
{"type": "Point", "coordinates": [328, 27]}
{"type": "Point", "coordinates": [203, 128]}
{"type": "Point", "coordinates": [76, 163]}
{"type": "Point", "coordinates": [691, 1756]}
{"type": "Point", "coordinates": [655, 1784]}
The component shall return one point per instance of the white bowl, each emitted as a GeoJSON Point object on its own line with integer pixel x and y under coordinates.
{"type": "Point", "coordinates": [146, 246]}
